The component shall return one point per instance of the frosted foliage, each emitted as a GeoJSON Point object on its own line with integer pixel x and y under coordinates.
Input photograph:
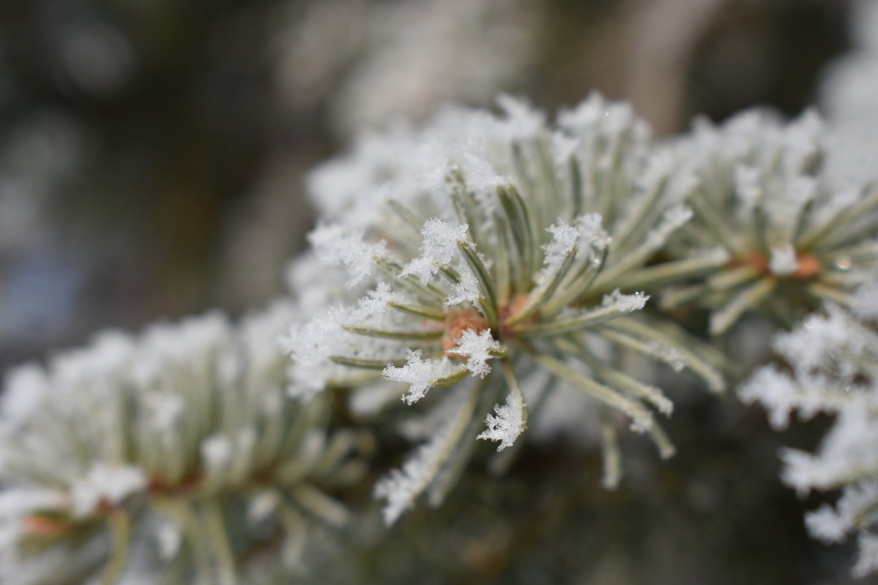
{"type": "Point", "coordinates": [668, 354]}
{"type": "Point", "coordinates": [163, 410]}
{"type": "Point", "coordinates": [313, 344]}
{"type": "Point", "coordinates": [585, 237]}
{"type": "Point", "coordinates": [779, 394]}
{"type": "Point", "coordinates": [401, 486]}
{"type": "Point", "coordinates": [848, 450]}
{"type": "Point", "coordinates": [822, 340]}
{"type": "Point", "coordinates": [127, 429]}
{"type": "Point", "coordinates": [262, 506]}
{"type": "Point", "coordinates": [592, 234]}
{"type": "Point", "coordinates": [760, 189]}
{"type": "Point", "coordinates": [508, 237]}
{"type": "Point", "coordinates": [480, 240]}
{"type": "Point", "coordinates": [564, 238]}
{"type": "Point", "coordinates": [300, 276]}
{"type": "Point", "coordinates": [833, 368]}
{"type": "Point", "coordinates": [352, 186]}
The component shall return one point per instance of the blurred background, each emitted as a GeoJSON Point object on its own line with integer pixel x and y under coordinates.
{"type": "Point", "coordinates": [151, 162]}
{"type": "Point", "coordinates": [152, 152]}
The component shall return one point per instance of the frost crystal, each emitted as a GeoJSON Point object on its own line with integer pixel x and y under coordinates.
{"type": "Point", "coordinates": [420, 374]}
{"type": "Point", "coordinates": [465, 291]}
{"type": "Point", "coordinates": [592, 233]}
{"type": "Point", "coordinates": [509, 422]}
{"type": "Point", "coordinates": [625, 303]}
{"type": "Point", "coordinates": [438, 248]}
{"type": "Point", "coordinates": [827, 524]}
{"type": "Point", "coordinates": [477, 349]}
{"type": "Point", "coordinates": [339, 245]}
{"type": "Point", "coordinates": [564, 238]}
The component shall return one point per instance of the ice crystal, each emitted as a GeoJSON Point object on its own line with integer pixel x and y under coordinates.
{"type": "Point", "coordinates": [508, 423]}
{"type": "Point", "coordinates": [420, 374]}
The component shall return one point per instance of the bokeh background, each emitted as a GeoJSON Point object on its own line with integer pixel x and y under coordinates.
{"type": "Point", "coordinates": [152, 155]}
{"type": "Point", "coordinates": [152, 152]}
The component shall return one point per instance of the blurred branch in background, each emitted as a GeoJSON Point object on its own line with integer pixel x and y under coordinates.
{"type": "Point", "coordinates": [666, 33]}
{"type": "Point", "coordinates": [127, 129]}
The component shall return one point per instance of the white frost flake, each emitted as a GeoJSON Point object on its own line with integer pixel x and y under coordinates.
{"type": "Point", "coordinates": [564, 238]}
{"type": "Point", "coordinates": [509, 422]}
{"type": "Point", "coordinates": [105, 483]}
{"type": "Point", "coordinates": [466, 291]}
{"type": "Point", "coordinates": [625, 303]}
{"type": "Point", "coordinates": [420, 374]}
{"type": "Point", "coordinates": [437, 250]}
{"type": "Point", "coordinates": [777, 393]}
{"type": "Point", "coordinates": [586, 233]}
{"type": "Point", "coordinates": [827, 525]}
{"type": "Point", "coordinates": [783, 260]}
{"type": "Point", "coordinates": [591, 232]}
{"type": "Point", "coordinates": [477, 348]}
{"type": "Point", "coordinates": [339, 245]}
